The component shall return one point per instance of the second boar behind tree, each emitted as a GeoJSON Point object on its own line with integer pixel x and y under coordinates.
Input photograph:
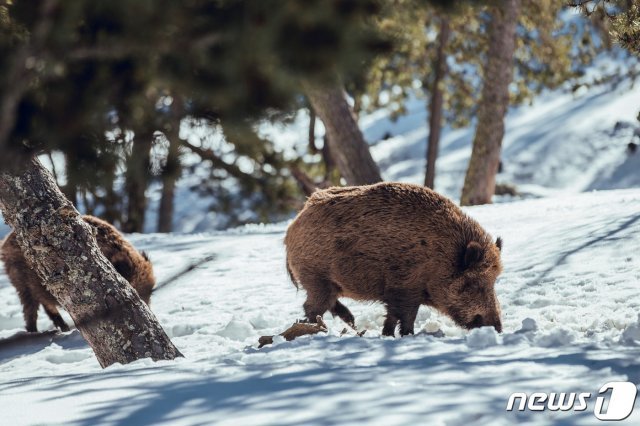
{"type": "Point", "coordinates": [134, 266]}
{"type": "Point", "coordinates": [404, 245]}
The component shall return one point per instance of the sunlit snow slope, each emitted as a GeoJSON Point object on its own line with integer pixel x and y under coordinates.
{"type": "Point", "coordinates": [572, 273]}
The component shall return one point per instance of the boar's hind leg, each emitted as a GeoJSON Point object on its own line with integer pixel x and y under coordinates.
{"type": "Point", "coordinates": [29, 308]}
{"type": "Point", "coordinates": [406, 316]}
{"type": "Point", "coordinates": [344, 313]}
{"type": "Point", "coordinates": [322, 296]}
{"type": "Point", "coordinates": [30, 311]}
{"type": "Point", "coordinates": [53, 313]}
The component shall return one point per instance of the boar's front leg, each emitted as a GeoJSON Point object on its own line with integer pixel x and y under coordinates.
{"type": "Point", "coordinates": [402, 305]}
{"type": "Point", "coordinates": [408, 319]}
{"type": "Point", "coordinates": [30, 311]}
{"type": "Point", "coordinates": [390, 323]}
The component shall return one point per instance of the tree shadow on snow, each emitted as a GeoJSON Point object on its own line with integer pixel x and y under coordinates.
{"type": "Point", "coordinates": [626, 225]}
{"type": "Point", "coordinates": [329, 391]}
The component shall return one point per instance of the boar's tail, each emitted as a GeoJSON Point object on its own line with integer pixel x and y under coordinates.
{"type": "Point", "coordinates": [293, 280]}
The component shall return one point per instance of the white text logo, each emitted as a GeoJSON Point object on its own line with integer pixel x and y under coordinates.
{"type": "Point", "coordinates": [615, 401]}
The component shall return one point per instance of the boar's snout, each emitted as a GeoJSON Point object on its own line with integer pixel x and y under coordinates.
{"type": "Point", "coordinates": [480, 321]}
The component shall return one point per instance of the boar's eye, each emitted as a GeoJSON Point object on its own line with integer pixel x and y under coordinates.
{"type": "Point", "coordinates": [469, 286]}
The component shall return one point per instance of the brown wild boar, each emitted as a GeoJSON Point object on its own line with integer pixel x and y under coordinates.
{"type": "Point", "coordinates": [134, 266]}
{"type": "Point", "coordinates": [404, 245]}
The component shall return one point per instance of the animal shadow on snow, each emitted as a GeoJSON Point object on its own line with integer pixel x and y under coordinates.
{"type": "Point", "coordinates": [23, 343]}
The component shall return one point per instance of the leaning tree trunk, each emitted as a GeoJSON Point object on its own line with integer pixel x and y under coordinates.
{"type": "Point", "coordinates": [346, 142]}
{"type": "Point", "coordinates": [435, 107]}
{"type": "Point", "coordinates": [137, 179]}
{"type": "Point", "coordinates": [62, 249]}
{"type": "Point", "coordinates": [480, 181]}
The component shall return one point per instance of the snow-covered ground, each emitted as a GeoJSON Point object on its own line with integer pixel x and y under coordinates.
{"type": "Point", "coordinates": [570, 299]}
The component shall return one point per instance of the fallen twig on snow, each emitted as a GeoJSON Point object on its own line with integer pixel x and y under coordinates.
{"type": "Point", "coordinates": [296, 330]}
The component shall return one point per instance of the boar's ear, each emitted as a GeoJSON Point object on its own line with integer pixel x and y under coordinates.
{"type": "Point", "coordinates": [472, 254]}
{"type": "Point", "coordinates": [145, 256]}
{"type": "Point", "coordinates": [499, 243]}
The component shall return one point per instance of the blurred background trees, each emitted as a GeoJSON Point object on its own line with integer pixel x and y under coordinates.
{"type": "Point", "coordinates": [124, 101]}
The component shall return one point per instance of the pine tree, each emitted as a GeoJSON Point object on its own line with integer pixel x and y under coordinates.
{"type": "Point", "coordinates": [548, 53]}
{"type": "Point", "coordinates": [172, 167]}
{"type": "Point", "coordinates": [436, 103]}
{"type": "Point", "coordinates": [479, 184]}
{"type": "Point", "coordinates": [620, 17]}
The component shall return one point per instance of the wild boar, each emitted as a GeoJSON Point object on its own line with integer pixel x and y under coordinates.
{"type": "Point", "coordinates": [134, 266]}
{"type": "Point", "coordinates": [400, 244]}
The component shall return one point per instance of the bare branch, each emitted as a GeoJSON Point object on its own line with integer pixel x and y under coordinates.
{"type": "Point", "coordinates": [215, 160]}
{"type": "Point", "coordinates": [308, 185]}
{"type": "Point", "coordinates": [296, 330]}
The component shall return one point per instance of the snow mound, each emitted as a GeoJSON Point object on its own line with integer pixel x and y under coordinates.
{"type": "Point", "coordinates": [237, 330]}
{"type": "Point", "coordinates": [528, 324]}
{"type": "Point", "coordinates": [556, 338]}
{"type": "Point", "coordinates": [483, 337]}
{"type": "Point", "coordinates": [631, 335]}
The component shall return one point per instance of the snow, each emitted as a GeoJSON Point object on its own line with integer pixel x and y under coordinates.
{"type": "Point", "coordinates": [569, 296]}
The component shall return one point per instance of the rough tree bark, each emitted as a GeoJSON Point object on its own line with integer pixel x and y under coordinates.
{"type": "Point", "coordinates": [479, 183]}
{"type": "Point", "coordinates": [137, 180]}
{"type": "Point", "coordinates": [435, 106]}
{"type": "Point", "coordinates": [347, 146]}
{"type": "Point", "coordinates": [62, 249]}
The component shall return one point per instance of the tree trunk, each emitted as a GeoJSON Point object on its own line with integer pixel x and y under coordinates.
{"type": "Point", "coordinates": [479, 184]}
{"type": "Point", "coordinates": [312, 131]}
{"type": "Point", "coordinates": [62, 249]}
{"type": "Point", "coordinates": [112, 204]}
{"type": "Point", "coordinates": [346, 142]}
{"type": "Point", "coordinates": [435, 107]}
{"type": "Point", "coordinates": [137, 180]}
{"type": "Point", "coordinates": [70, 189]}
{"type": "Point", "coordinates": [170, 174]}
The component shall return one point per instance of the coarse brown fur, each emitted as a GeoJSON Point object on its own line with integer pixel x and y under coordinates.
{"type": "Point", "coordinates": [134, 266]}
{"type": "Point", "coordinates": [401, 244]}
